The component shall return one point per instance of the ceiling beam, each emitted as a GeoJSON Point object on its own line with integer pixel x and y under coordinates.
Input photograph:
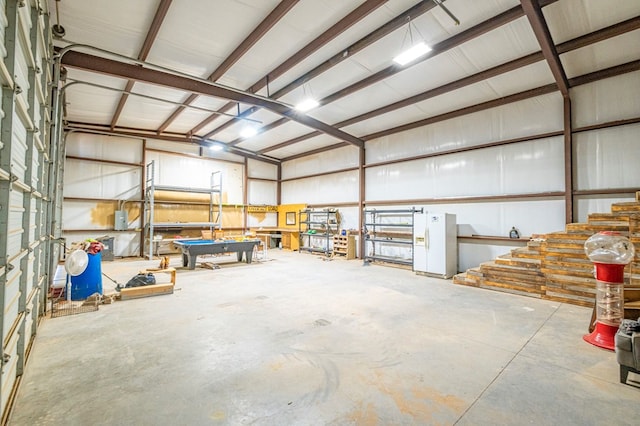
{"type": "Point", "coordinates": [464, 111]}
{"type": "Point", "coordinates": [276, 15]}
{"type": "Point", "coordinates": [445, 45]}
{"type": "Point", "coordinates": [119, 69]}
{"type": "Point", "coordinates": [397, 22]}
{"type": "Point", "coordinates": [576, 81]}
{"type": "Point", "coordinates": [605, 73]}
{"type": "Point", "coordinates": [599, 35]}
{"type": "Point", "coordinates": [341, 26]}
{"type": "Point", "coordinates": [449, 87]}
{"type": "Point", "coordinates": [161, 12]}
{"type": "Point", "coordinates": [458, 39]}
{"type": "Point", "coordinates": [570, 45]}
{"type": "Point", "coordinates": [139, 134]}
{"type": "Point", "coordinates": [533, 11]}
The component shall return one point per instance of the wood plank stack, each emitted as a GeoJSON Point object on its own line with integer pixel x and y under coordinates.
{"type": "Point", "coordinates": [554, 266]}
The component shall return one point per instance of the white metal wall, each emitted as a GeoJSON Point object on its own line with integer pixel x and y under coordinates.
{"type": "Point", "coordinates": [101, 170]}
{"type": "Point", "coordinates": [530, 171]}
{"type": "Point", "coordinates": [606, 158]}
{"type": "Point", "coordinates": [25, 192]}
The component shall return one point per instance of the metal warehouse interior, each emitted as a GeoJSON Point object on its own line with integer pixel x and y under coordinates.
{"type": "Point", "coordinates": [369, 226]}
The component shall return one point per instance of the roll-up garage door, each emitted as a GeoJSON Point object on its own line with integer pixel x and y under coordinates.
{"type": "Point", "coordinates": [25, 47]}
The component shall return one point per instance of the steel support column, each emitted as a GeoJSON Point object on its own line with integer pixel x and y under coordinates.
{"type": "Point", "coordinates": [568, 161]}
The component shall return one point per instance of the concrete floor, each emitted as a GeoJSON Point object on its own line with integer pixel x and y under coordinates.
{"type": "Point", "coordinates": [301, 341]}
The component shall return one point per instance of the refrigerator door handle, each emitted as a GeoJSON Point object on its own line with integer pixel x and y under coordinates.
{"type": "Point", "coordinates": [426, 238]}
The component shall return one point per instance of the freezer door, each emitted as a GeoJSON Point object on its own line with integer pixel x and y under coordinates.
{"type": "Point", "coordinates": [420, 242]}
{"type": "Point", "coordinates": [437, 233]}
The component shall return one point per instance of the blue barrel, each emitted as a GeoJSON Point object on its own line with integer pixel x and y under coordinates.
{"type": "Point", "coordinates": [88, 282]}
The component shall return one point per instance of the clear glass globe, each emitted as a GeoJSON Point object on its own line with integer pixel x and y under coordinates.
{"type": "Point", "coordinates": [609, 247]}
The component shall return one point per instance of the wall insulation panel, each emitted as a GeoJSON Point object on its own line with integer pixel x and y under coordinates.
{"type": "Point", "coordinates": [607, 158]}
{"type": "Point", "coordinates": [497, 124]}
{"type": "Point", "coordinates": [181, 148]}
{"type": "Point", "coordinates": [332, 188]}
{"type": "Point", "coordinates": [491, 171]}
{"type": "Point", "coordinates": [91, 179]}
{"type": "Point", "coordinates": [191, 172]}
{"type": "Point", "coordinates": [97, 215]}
{"type": "Point", "coordinates": [262, 192]}
{"type": "Point", "coordinates": [111, 148]}
{"type": "Point", "coordinates": [584, 205]}
{"type": "Point", "coordinates": [258, 220]}
{"type": "Point", "coordinates": [611, 99]}
{"type": "Point", "coordinates": [472, 254]}
{"type": "Point", "coordinates": [261, 170]}
{"type": "Point", "coordinates": [325, 162]}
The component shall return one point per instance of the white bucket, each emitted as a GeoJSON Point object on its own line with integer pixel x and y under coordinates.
{"type": "Point", "coordinates": [60, 277]}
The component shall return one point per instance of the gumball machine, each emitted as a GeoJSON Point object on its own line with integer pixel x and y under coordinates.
{"type": "Point", "coordinates": [610, 252]}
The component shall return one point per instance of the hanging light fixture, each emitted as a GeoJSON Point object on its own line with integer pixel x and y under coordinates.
{"type": "Point", "coordinates": [416, 49]}
{"type": "Point", "coordinates": [248, 131]}
{"type": "Point", "coordinates": [308, 101]}
{"type": "Point", "coordinates": [215, 145]}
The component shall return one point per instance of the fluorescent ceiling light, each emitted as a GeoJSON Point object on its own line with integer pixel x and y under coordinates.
{"type": "Point", "coordinates": [307, 105]}
{"type": "Point", "coordinates": [413, 53]}
{"type": "Point", "coordinates": [248, 132]}
{"type": "Point", "coordinates": [216, 147]}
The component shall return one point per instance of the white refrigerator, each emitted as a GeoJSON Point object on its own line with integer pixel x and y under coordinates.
{"type": "Point", "coordinates": [435, 245]}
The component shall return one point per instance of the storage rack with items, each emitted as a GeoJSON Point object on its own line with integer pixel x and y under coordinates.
{"type": "Point", "coordinates": [317, 228]}
{"type": "Point", "coordinates": [387, 229]}
{"type": "Point", "coordinates": [215, 206]}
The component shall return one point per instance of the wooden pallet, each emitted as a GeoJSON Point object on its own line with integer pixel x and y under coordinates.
{"type": "Point", "coordinates": [555, 267]}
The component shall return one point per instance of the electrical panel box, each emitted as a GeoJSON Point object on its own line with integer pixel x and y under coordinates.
{"type": "Point", "coordinates": [121, 220]}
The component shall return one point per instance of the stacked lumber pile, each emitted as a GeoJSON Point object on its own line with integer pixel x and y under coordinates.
{"type": "Point", "coordinates": [554, 266]}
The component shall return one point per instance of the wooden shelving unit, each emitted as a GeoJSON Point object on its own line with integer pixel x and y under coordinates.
{"type": "Point", "coordinates": [344, 245]}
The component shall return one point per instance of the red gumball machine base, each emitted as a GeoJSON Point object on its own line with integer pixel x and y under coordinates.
{"type": "Point", "coordinates": [602, 336]}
